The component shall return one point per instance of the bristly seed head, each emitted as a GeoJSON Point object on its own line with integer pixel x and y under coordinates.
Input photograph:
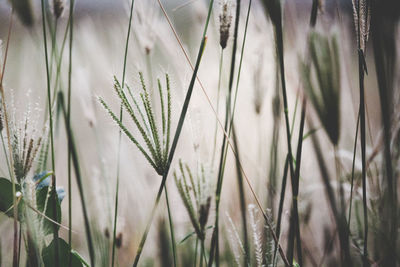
{"type": "Point", "coordinates": [225, 20]}
{"type": "Point", "coordinates": [362, 18]}
{"type": "Point", "coordinates": [195, 194]}
{"type": "Point", "coordinates": [25, 143]}
{"type": "Point", "coordinates": [141, 111]}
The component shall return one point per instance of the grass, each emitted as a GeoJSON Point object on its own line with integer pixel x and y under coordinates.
{"type": "Point", "coordinates": [342, 205]}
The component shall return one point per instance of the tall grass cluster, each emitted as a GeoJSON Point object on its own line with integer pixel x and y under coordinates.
{"type": "Point", "coordinates": [199, 133]}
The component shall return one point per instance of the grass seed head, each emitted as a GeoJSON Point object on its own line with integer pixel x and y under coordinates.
{"type": "Point", "coordinates": [26, 139]}
{"type": "Point", "coordinates": [225, 20]}
{"type": "Point", "coordinates": [362, 18]}
{"type": "Point", "coordinates": [196, 197]}
{"type": "Point", "coordinates": [141, 111]}
{"type": "Point", "coordinates": [57, 7]}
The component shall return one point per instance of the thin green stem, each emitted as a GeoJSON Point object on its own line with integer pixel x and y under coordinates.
{"type": "Point", "coordinates": [204, 252]}
{"type": "Point", "coordinates": [294, 218]}
{"type": "Point", "coordinates": [242, 198]}
{"type": "Point", "coordinates": [53, 32]}
{"type": "Point", "coordinates": [214, 251]}
{"type": "Point", "coordinates": [174, 143]}
{"type": "Point", "coordinates": [55, 234]}
{"type": "Point", "coordinates": [201, 254]}
{"type": "Point", "coordinates": [363, 152]}
{"type": "Point", "coordinates": [119, 136]}
{"type": "Point", "coordinates": [361, 70]}
{"type": "Point", "coordinates": [75, 162]}
{"type": "Point", "coordinates": [171, 228]}
{"type": "Point", "coordinates": [281, 202]}
{"type": "Point", "coordinates": [276, 106]}
{"type": "Point", "coordinates": [217, 110]}
{"type": "Point", "coordinates": [352, 169]}
{"type": "Point", "coordinates": [71, 26]}
{"type": "Point", "coordinates": [195, 252]}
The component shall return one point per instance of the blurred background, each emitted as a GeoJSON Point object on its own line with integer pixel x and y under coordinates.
{"type": "Point", "coordinates": [98, 50]}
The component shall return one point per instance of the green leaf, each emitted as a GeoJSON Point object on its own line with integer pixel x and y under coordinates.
{"type": "Point", "coordinates": [6, 197]}
{"type": "Point", "coordinates": [41, 196]}
{"type": "Point", "coordinates": [48, 255]}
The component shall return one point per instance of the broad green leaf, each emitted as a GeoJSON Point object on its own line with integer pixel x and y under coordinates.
{"type": "Point", "coordinates": [41, 196]}
{"type": "Point", "coordinates": [6, 197]}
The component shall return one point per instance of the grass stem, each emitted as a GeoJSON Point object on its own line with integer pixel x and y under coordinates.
{"type": "Point", "coordinates": [352, 170]}
{"type": "Point", "coordinates": [171, 227]}
{"type": "Point", "coordinates": [70, 23]}
{"type": "Point", "coordinates": [173, 146]}
{"type": "Point", "coordinates": [119, 137]}
{"type": "Point", "coordinates": [55, 233]}
{"type": "Point", "coordinates": [75, 162]}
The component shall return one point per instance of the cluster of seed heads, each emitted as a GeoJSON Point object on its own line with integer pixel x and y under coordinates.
{"type": "Point", "coordinates": [25, 146]}
{"type": "Point", "coordinates": [194, 194]}
{"type": "Point", "coordinates": [144, 119]}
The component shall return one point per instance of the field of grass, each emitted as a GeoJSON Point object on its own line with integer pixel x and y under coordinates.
{"type": "Point", "coordinates": [199, 133]}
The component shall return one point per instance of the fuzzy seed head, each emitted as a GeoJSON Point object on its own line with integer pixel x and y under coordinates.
{"type": "Point", "coordinates": [203, 212]}
{"type": "Point", "coordinates": [225, 20]}
{"type": "Point", "coordinates": [57, 8]}
{"type": "Point", "coordinates": [26, 140]}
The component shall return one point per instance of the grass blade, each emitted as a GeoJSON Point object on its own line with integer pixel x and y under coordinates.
{"type": "Point", "coordinates": [173, 146]}
{"type": "Point", "coordinates": [75, 162]}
